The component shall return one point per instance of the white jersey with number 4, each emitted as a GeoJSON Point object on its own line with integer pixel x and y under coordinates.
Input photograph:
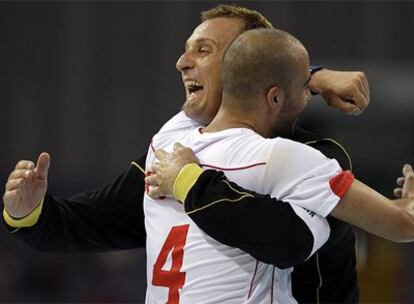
{"type": "Point", "coordinates": [184, 265]}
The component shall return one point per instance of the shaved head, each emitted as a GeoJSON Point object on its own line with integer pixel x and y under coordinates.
{"type": "Point", "coordinates": [258, 60]}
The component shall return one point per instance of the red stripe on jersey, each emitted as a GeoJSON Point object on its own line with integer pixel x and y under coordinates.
{"type": "Point", "coordinates": [233, 169]}
{"type": "Point", "coordinates": [252, 281]}
{"type": "Point", "coordinates": [341, 182]}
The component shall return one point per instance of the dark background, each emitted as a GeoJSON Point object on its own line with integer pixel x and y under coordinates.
{"type": "Point", "coordinates": [90, 82]}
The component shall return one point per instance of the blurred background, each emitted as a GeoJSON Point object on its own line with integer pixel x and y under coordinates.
{"type": "Point", "coordinates": [90, 82]}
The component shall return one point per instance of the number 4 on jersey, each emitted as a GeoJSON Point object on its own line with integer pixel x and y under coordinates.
{"type": "Point", "coordinates": [173, 278]}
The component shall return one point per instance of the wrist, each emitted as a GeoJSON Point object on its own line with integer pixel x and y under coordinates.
{"type": "Point", "coordinates": [185, 180]}
{"type": "Point", "coordinates": [314, 84]}
{"type": "Point", "coordinates": [26, 221]}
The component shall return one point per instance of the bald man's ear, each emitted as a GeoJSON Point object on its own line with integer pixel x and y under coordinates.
{"type": "Point", "coordinates": [275, 96]}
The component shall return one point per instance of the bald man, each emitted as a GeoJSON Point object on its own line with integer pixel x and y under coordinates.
{"type": "Point", "coordinates": [256, 102]}
{"type": "Point", "coordinates": [259, 105]}
{"type": "Point", "coordinates": [111, 217]}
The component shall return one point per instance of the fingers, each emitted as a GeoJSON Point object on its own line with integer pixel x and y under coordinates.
{"type": "Point", "coordinates": [151, 184]}
{"type": "Point", "coordinates": [359, 90]}
{"type": "Point", "coordinates": [177, 146]}
{"type": "Point", "coordinates": [154, 192]}
{"type": "Point", "coordinates": [161, 154]}
{"type": "Point", "coordinates": [42, 166]}
{"type": "Point", "coordinates": [406, 183]}
{"type": "Point", "coordinates": [343, 105]}
{"type": "Point", "coordinates": [365, 85]}
{"type": "Point", "coordinates": [407, 170]}
{"type": "Point", "coordinates": [155, 167]}
{"type": "Point", "coordinates": [24, 164]}
{"type": "Point", "coordinates": [360, 100]}
{"type": "Point", "coordinates": [400, 181]}
{"type": "Point", "coordinates": [10, 196]}
{"type": "Point", "coordinates": [151, 180]}
{"type": "Point", "coordinates": [397, 192]}
{"type": "Point", "coordinates": [14, 184]}
{"type": "Point", "coordinates": [20, 174]}
{"type": "Point", "coordinates": [347, 91]}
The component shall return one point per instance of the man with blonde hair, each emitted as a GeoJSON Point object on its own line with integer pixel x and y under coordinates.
{"type": "Point", "coordinates": [111, 217]}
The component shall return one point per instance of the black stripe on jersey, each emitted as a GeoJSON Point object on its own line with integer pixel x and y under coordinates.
{"type": "Point", "coordinates": [329, 276]}
{"type": "Point", "coordinates": [104, 219]}
{"type": "Point", "coordinates": [256, 235]}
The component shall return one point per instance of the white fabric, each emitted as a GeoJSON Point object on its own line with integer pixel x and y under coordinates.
{"type": "Point", "coordinates": [216, 273]}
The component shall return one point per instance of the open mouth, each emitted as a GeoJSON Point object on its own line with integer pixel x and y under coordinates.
{"type": "Point", "coordinates": [193, 88]}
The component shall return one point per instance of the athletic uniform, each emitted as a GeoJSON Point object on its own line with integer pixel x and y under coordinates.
{"type": "Point", "coordinates": [184, 265]}
{"type": "Point", "coordinates": [112, 218]}
{"type": "Point", "coordinates": [328, 276]}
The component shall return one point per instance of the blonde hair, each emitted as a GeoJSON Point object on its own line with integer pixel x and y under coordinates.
{"type": "Point", "coordinates": [251, 18]}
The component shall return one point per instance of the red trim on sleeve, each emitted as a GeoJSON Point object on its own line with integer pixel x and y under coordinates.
{"type": "Point", "coordinates": [341, 182]}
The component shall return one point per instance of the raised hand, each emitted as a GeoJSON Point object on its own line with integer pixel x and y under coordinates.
{"type": "Point", "coordinates": [26, 186]}
{"type": "Point", "coordinates": [405, 183]}
{"type": "Point", "coordinates": [346, 91]}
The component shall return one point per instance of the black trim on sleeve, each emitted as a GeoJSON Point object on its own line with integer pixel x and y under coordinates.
{"type": "Point", "coordinates": [327, 146]}
{"type": "Point", "coordinates": [108, 218]}
{"type": "Point", "coordinates": [243, 221]}
{"type": "Point", "coordinates": [273, 233]}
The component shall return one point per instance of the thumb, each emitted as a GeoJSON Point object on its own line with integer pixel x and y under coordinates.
{"type": "Point", "coordinates": [42, 166]}
{"type": "Point", "coordinates": [177, 146]}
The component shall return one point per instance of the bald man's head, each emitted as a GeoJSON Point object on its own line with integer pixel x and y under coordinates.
{"type": "Point", "coordinates": [258, 60]}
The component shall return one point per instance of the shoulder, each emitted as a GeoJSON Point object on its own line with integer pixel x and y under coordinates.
{"type": "Point", "coordinates": [294, 158]}
{"type": "Point", "coordinates": [173, 131]}
{"type": "Point", "coordinates": [326, 145]}
{"type": "Point", "coordinates": [179, 121]}
{"type": "Point", "coordinates": [294, 149]}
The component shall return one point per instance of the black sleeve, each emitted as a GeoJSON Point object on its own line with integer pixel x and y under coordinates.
{"type": "Point", "coordinates": [108, 218]}
{"type": "Point", "coordinates": [267, 229]}
{"type": "Point", "coordinates": [262, 226]}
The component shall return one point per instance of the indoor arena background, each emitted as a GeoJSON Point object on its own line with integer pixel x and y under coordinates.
{"type": "Point", "coordinates": [90, 82]}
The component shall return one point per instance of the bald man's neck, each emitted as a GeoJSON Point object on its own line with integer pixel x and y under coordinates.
{"type": "Point", "coordinates": [230, 116]}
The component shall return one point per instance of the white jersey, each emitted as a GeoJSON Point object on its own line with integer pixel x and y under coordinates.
{"type": "Point", "coordinates": [184, 265]}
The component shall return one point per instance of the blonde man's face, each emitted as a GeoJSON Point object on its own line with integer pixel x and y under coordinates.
{"type": "Point", "coordinates": [200, 66]}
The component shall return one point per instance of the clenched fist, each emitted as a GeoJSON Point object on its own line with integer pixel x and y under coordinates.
{"type": "Point", "coordinates": [26, 186]}
{"type": "Point", "coordinates": [346, 91]}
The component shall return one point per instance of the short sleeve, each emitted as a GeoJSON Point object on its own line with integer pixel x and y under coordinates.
{"type": "Point", "coordinates": [304, 177]}
{"type": "Point", "coordinates": [317, 224]}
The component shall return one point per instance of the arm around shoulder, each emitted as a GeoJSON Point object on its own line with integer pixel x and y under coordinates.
{"type": "Point", "coordinates": [369, 210]}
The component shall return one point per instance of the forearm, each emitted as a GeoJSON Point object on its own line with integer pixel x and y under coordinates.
{"type": "Point", "coordinates": [266, 228]}
{"type": "Point", "coordinates": [406, 218]}
{"type": "Point", "coordinates": [107, 218]}
{"type": "Point", "coordinates": [369, 210]}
